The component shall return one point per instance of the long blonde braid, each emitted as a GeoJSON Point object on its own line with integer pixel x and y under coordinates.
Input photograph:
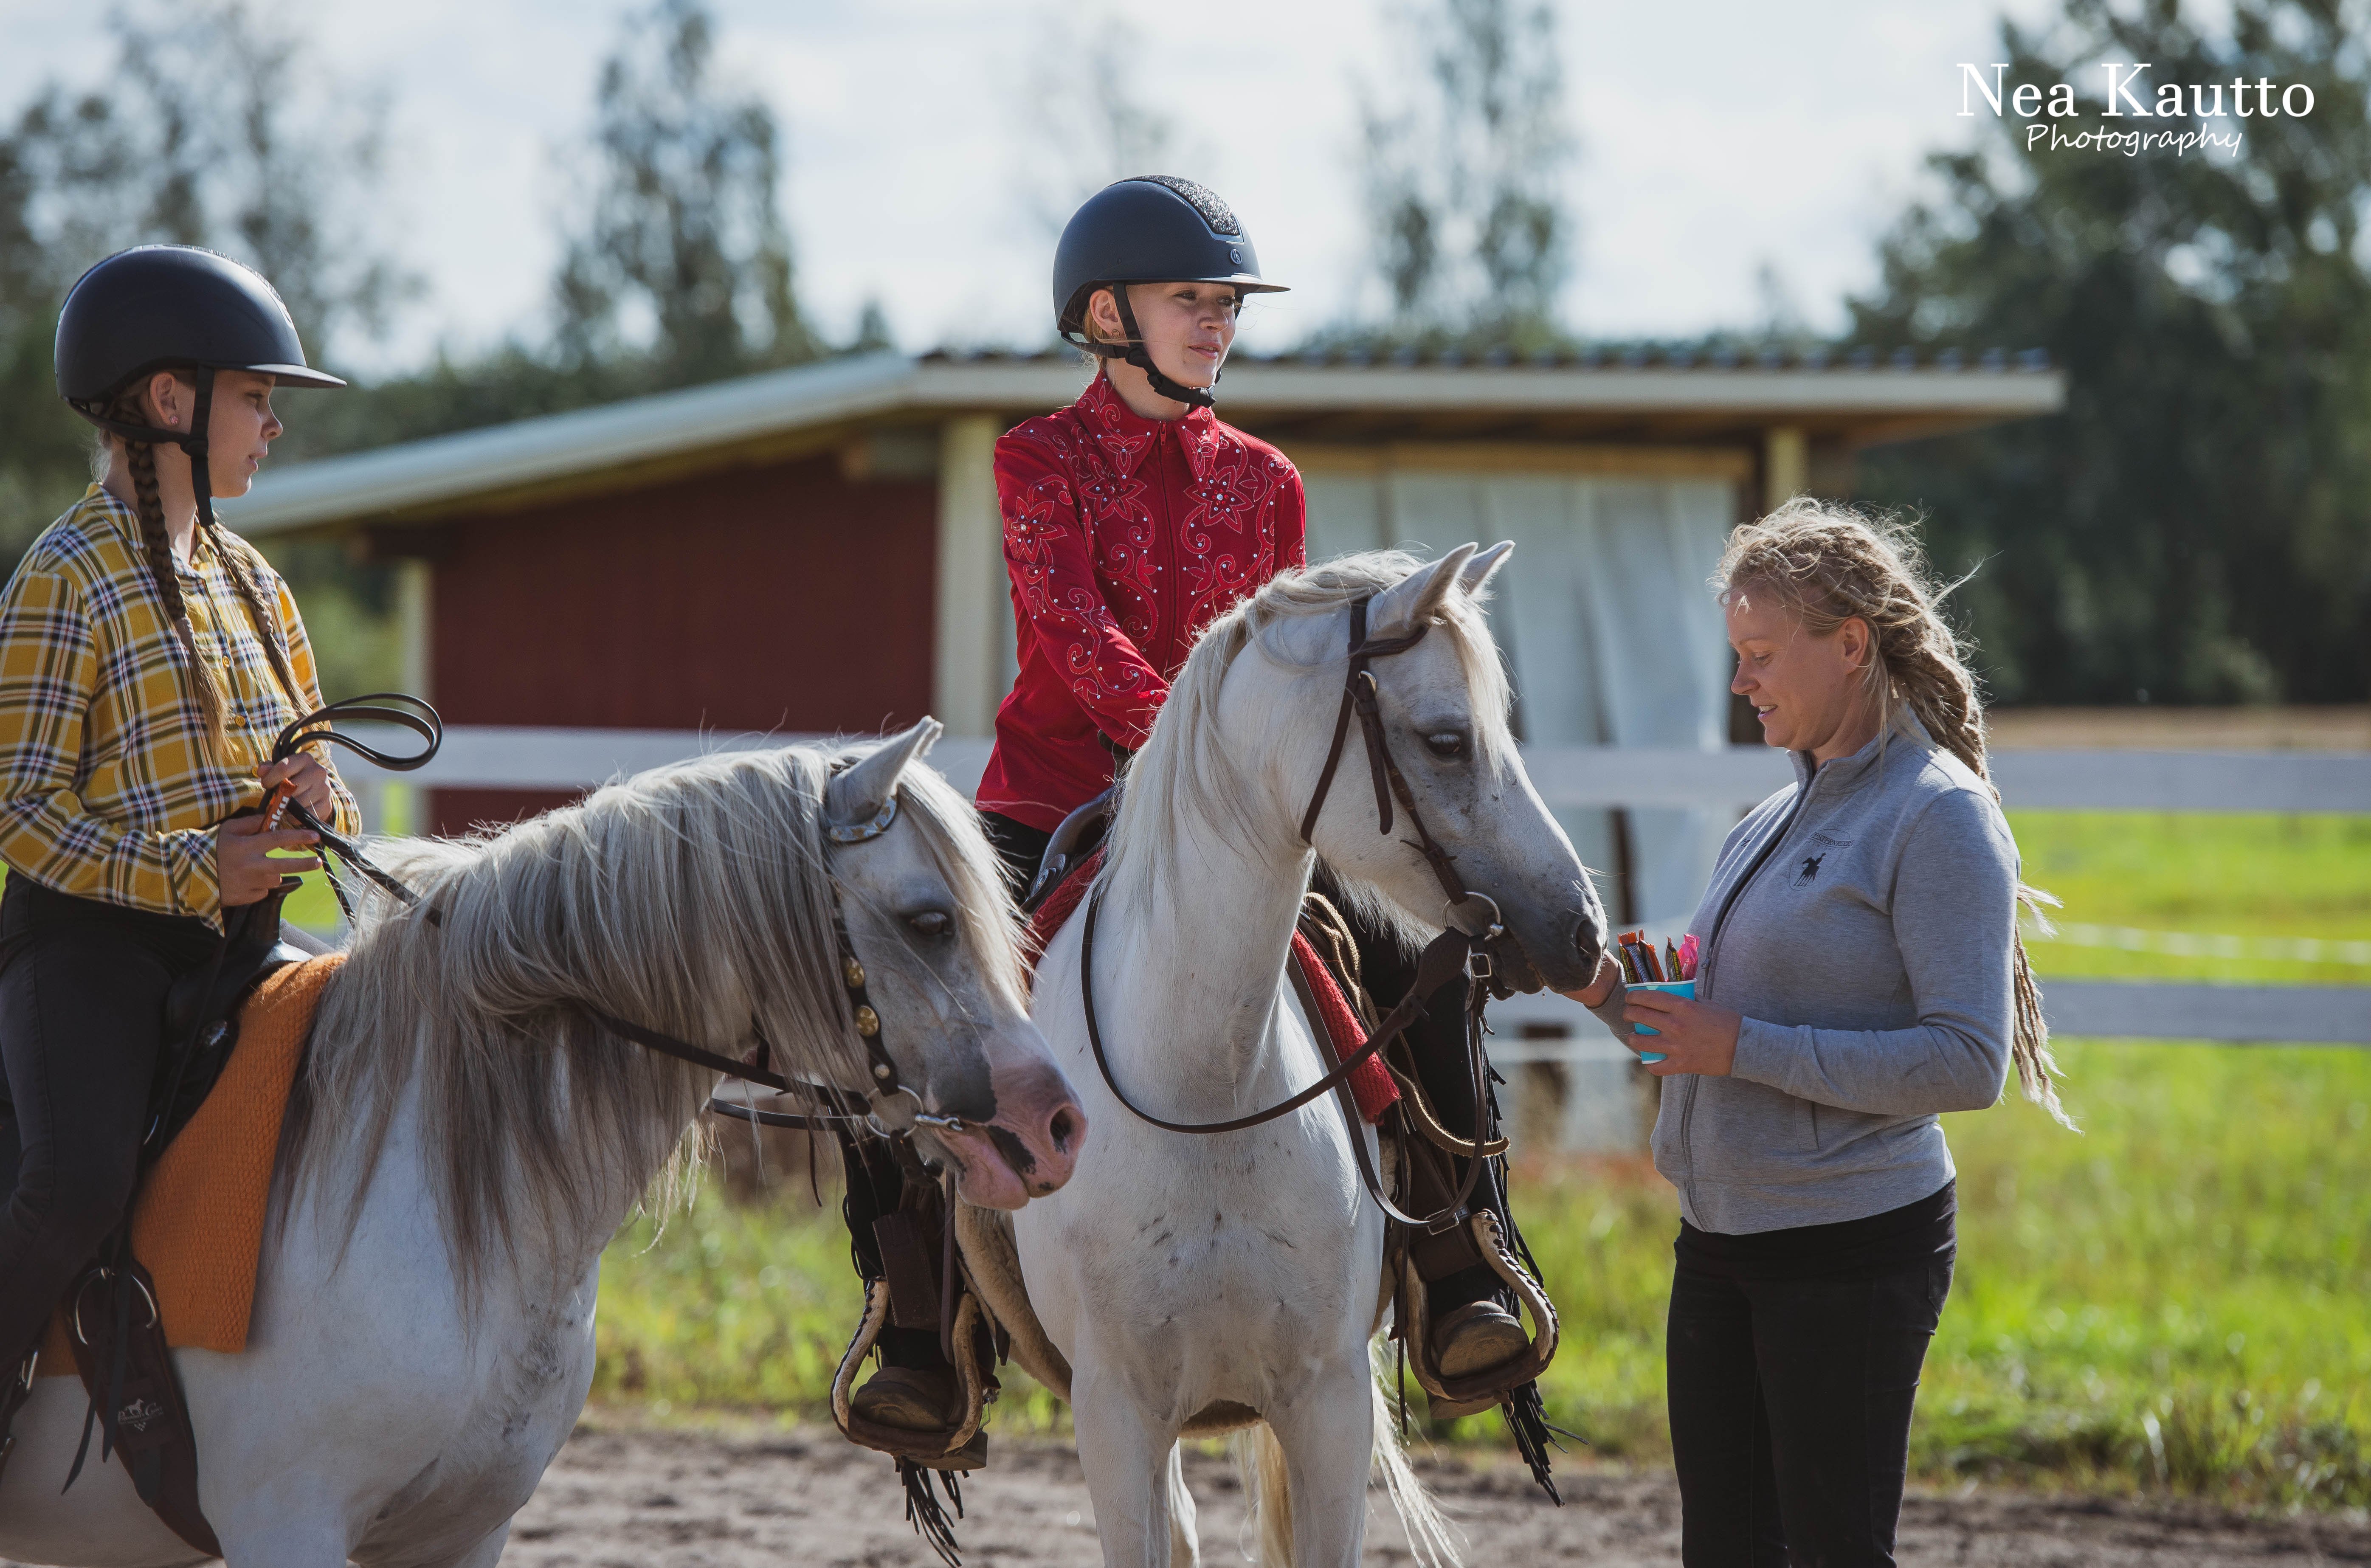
{"type": "Point", "coordinates": [1828, 564]}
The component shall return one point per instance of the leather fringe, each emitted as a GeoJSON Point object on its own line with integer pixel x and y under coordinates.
{"type": "Point", "coordinates": [1526, 1412]}
{"type": "Point", "coordinates": [927, 1514]}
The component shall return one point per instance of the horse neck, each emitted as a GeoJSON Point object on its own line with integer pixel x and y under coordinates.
{"type": "Point", "coordinates": [1201, 941]}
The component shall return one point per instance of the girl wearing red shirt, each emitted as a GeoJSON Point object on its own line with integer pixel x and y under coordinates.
{"type": "Point", "coordinates": [1132, 519]}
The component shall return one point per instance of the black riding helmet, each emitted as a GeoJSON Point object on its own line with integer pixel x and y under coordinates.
{"type": "Point", "coordinates": [1156, 228]}
{"type": "Point", "coordinates": [173, 307]}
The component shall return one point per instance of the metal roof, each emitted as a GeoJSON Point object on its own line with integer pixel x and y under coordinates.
{"type": "Point", "coordinates": [1670, 396]}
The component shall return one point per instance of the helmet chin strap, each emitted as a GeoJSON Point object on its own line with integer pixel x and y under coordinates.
{"type": "Point", "coordinates": [193, 443]}
{"type": "Point", "coordinates": [1136, 354]}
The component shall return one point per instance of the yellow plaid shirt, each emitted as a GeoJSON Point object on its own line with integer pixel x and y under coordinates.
{"type": "Point", "coordinates": [108, 788]}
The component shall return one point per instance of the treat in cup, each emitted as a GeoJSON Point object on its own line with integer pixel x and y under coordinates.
{"type": "Point", "coordinates": [1675, 987]}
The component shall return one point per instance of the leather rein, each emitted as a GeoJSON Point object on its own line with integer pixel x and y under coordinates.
{"type": "Point", "coordinates": [1463, 948]}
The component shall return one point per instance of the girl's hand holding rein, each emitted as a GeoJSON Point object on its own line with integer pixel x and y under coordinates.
{"type": "Point", "coordinates": [244, 861]}
{"type": "Point", "coordinates": [1694, 1037]}
{"type": "Point", "coordinates": [311, 779]}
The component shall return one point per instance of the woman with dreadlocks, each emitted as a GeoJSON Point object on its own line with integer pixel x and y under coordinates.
{"type": "Point", "coordinates": [148, 658]}
{"type": "Point", "coordinates": [1860, 971]}
{"type": "Point", "coordinates": [1132, 518]}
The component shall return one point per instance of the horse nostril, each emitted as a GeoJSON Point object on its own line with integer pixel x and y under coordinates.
{"type": "Point", "coordinates": [1064, 1127]}
{"type": "Point", "coordinates": [1588, 944]}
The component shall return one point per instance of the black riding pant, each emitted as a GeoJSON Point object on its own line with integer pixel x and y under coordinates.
{"type": "Point", "coordinates": [1792, 1378]}
{"type": "Point", "coordinates": [82, 1016]}
{"type": "Point", "coordinates": [1019, 845]}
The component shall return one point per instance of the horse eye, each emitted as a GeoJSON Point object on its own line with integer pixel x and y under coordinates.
{"type": "Point", "coordinates": [1446, 743]}
{"type": "Point", "coordinates": [935, 924]}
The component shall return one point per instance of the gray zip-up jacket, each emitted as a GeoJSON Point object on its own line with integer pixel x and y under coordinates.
{"type": "Point", "coordinates": [1862, 923]}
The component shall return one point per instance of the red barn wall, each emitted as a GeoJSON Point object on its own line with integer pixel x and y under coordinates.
{"type": "Point", "coordinates": [777, 598]}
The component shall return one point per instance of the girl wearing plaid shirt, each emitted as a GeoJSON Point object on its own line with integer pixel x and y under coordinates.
{"type": "Point", "coordinates": [148, 658]}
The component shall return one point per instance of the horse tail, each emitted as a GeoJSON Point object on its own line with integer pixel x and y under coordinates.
{"type": "Point", "coordinates": [1267, 1494]}
{"type": "Point", "coordinates": [1432, 1539]}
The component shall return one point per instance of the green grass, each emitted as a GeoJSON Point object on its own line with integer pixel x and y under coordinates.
{"type": "Point", "coordinates": [2174, 1300]}
{"type": "Point", "coordinates": [2217, 875]}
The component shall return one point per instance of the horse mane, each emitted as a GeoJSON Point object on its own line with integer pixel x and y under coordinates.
{"type": "Point", "coordinates": [694, 899]}
{"type": "Point", "coordinates": [1183, 773]}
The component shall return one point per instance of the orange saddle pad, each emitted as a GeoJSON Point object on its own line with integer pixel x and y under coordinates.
{"type": "Point", "coordinates": [197, 1222]}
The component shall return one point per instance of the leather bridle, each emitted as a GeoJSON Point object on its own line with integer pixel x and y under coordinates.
{"type": "Point", "coordinates": [1464, 947]}
{"type": "Point", "coordinates": [892, 1108]}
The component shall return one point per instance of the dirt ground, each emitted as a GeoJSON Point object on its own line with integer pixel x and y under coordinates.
{"type": "Point", "coordinates": [657, 1499]}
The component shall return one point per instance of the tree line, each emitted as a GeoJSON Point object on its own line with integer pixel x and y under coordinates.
{"type": "Point", "coordinates": [2194, 527]}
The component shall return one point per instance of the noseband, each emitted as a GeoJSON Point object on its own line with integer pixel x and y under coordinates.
{"type": "Point", "coordinates": [1464, 947]}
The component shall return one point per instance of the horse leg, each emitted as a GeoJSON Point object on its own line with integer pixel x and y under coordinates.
{"type": "Point", "coordinates": [1185, 1546]}
{"type": "Point", "coordinates": [1126, 1461]}
{"type": "Point", "coordinates": [485, 1554]}
{"type": "Point", "coordinates": [286, 1542]}
{"type": "Point", "coordinates": [1327, 1435]}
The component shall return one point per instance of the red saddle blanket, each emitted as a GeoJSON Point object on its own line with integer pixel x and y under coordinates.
{"type": "Point", "coordinates": [197, 1222]}
{"type": "Point", "coordinates": [1371, 1081]}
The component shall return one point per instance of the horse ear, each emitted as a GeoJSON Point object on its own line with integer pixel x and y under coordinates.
{"type": "Point", "coordinates": [861, 791]}
{"type": "Point", "coordinates": [1478, 571]}
{"type": "Point", "coordinates": [1417, 597]}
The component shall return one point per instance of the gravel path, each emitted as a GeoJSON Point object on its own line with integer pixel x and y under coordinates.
{"type": "Point", "coordinates": [660, 1499]}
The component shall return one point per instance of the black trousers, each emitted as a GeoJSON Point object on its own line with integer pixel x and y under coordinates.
{"type": "Point", "coordinates": [1790, 1402]}
{"type": "Point", "coordinates": [1020, 846]}
{"type": "Point", "coordinates": [82, 1011]}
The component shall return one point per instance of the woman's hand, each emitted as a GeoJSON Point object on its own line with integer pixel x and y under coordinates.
{"type": "Point", "coordinates": [244, 863]}
{"type": "Point", "coordinates": [1600, 985]}
{"type": "Point", "coordinates": [1694, 1037]}
{"type": "Point", "coordinates": [311, 779]}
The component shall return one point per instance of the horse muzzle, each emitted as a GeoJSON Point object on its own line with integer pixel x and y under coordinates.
{"type": "Point", "coordinates": [1559, 953]}
{"type": "Point", "coordinates": [1026, 1150]}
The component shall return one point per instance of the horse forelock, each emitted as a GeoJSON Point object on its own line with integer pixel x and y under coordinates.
{"type": "Point", "coordinates": [1184, 779]}
{"type": "Point", "coordinates": [695, 899]}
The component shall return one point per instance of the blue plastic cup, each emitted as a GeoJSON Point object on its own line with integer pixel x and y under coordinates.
{"type": "Point", "coordinates": [1676, 988]}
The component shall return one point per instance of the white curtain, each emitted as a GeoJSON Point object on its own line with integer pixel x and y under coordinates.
{"type": "Point", "coordinates": [1603, 614]}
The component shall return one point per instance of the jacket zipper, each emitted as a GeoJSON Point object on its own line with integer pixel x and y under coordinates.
{"type": "Point", "coordinates": [1712, 939]}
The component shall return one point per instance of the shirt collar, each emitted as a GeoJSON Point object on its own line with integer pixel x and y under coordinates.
{"type": "Point", "coordinates": [1125, 436]}
{"type": "Point", "coordinates": [1849, 772]}
{"type": "Point", "coordinates": [102, 501]}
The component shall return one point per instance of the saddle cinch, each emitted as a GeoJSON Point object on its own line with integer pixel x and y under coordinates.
{"type": "Point", "coordinates": [964, 1280]}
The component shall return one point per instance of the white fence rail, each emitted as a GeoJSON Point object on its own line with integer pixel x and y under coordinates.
{"type": "Point", "coordinates": [502, 758]}
{"type": "Point", "coordinates": [511, 758]}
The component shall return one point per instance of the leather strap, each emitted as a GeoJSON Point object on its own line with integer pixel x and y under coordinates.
{"type": "Point", "coordinates": [1437, 966]}
{"type": "Point", "coordinates": [1456, 1209]}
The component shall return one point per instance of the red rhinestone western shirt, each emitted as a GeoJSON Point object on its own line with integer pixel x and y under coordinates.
{"type": "Point", "coordinates": [1123, 537]}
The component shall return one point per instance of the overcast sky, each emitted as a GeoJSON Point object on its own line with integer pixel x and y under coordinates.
{"type": "Point", "coordinates": [1713, 138]}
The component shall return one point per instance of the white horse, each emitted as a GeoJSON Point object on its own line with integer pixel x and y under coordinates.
{"type": "Point", "coordinates": [465, 1139]}
{"type": "Point", "coordinates": [1244, 1268]}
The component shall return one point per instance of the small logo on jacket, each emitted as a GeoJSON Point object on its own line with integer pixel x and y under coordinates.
{"type": "Point", "coordinates": [1807, 868]}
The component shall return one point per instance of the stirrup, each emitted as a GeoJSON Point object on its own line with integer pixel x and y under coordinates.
{"type": "Point", "coordinates": [962, 1447]}
{"type": "Point", "coordinates": [1452, 1397]}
